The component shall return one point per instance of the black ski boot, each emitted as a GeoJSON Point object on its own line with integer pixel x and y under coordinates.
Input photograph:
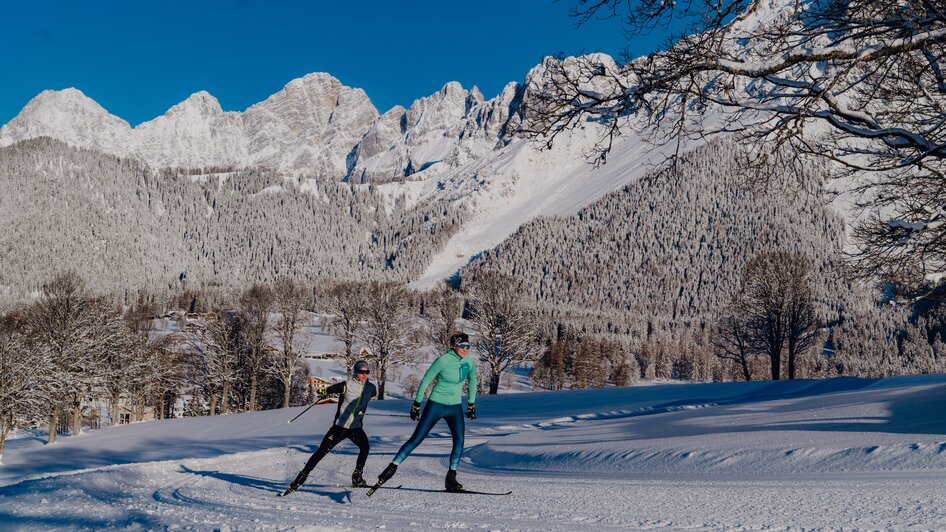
{"type": "Point", "coordinates": [383, 477]}
{"type": "Point", "coordinates": [292, 487]}
{"type": "Point", "coordinates": [296, 484]}
{"type": "Point", "coordinates": [450, 483]}
{"type": "Point", "coordinates": [357, 480]}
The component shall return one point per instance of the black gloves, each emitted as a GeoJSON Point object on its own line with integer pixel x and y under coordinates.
{"type": "Point", "coordinates": [415, 411]}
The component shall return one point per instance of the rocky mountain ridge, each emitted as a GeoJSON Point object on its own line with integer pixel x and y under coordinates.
{"type": "Point", "coordinates": [314, 126]}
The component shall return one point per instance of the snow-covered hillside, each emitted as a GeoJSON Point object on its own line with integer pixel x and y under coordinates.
{"type": "Point", "coordinates": [840, 453]}
{"type": "Point", "coordinates": [452, 146]}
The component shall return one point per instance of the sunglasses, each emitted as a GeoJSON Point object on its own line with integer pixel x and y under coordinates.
{"type": "Point", "coordinates": [463, 346]}
{"type": "Point", "coordinates": [363, 372]}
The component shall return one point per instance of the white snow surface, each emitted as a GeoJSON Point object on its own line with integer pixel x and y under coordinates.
{"type": "Point", "coordinates": [835, 454]}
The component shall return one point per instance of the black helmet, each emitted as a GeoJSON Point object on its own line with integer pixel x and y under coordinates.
{"type": "Point", "coordinates": [459, 338]}
{"type": "Point", "coordinates": [360, 367]}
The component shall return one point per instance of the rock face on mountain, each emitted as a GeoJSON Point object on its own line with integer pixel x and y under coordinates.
{"type": "Point", "coordinates": [194, 133]}
{"type": "Point", "coordinates": [310, 126]}
{"type": "Point", "coordinates": [314, 126]}
{"type": "Point", "coordinates": [440, 128]}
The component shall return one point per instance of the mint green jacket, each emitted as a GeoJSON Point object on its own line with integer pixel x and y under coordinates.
{"type": "Point", "coordinates": [451, 370]}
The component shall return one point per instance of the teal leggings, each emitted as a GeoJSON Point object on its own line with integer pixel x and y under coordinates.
{"type": "Point", "coordinates": [434, 412]}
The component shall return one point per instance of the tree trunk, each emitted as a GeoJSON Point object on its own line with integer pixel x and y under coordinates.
{"type": "Point", "coordinates": [76, 416]}
{"type": "Point", "coordinates": [3, 439]}
{"type": "Point", "coordinates": [286, 389]}
{"type": "Point", "coordinates": [744, 362]}
{"type": "Point", "coordinates": [77, 422]}
{"type": "Point", "coordinates": [213, 404]}
{"type": "Point", "coordinates": [252, 407]}
{"type": "Point", "coordinates": [113, 411]}
{"type": "Point", "coordinates": [53, 426]}
{"type": "Point", "coordinates": [776, 362]}
{"type": "Point", "coordinates": [225, 399]}
{"type": "Point", "coordinates": [382, 380]}
{"type": "Point", "coordinates": [745, 371]}
{"type": "Point", "coordinates": [494, 384]}
{"type": "Point", "coordinates": [348, 357]}
{"type": "Point", "coordinates": [792, 355]}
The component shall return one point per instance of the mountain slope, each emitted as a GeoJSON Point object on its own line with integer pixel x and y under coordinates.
{"type": "Point", "coordinates": [125, 228]}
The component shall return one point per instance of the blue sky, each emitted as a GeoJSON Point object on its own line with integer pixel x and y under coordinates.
{"type": "Point", "coordinates": [138, 58]}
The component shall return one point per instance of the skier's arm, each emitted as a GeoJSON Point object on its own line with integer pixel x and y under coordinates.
{"type": "Point", "coordinates": [471, 383]}
{"type": "Point", "coordinates": [337, 388]}
{"type": "Point", "coordinates": [432, 372]}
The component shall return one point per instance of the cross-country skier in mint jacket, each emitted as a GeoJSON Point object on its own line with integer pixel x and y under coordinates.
{"type": "Point", "coordinates": [451, 370]}
{"type": "Point", "coordinates": [354, 395]}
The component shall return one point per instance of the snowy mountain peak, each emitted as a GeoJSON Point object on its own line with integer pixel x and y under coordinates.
{"type": "Point", "coordinates": [68, 115]}
{"type": "Point", "coordinates": [48, 97]}
{"type": "Point", "coordinates": [202, 103]}
{"type": "Point", "coordinates": [62, 103]}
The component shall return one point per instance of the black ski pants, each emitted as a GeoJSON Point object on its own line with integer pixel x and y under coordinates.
{"type": "Point", "coordinates": [333, 437]}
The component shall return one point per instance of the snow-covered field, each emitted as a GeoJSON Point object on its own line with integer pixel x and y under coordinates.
{"type": "Point", "coordinates": [842, 453]}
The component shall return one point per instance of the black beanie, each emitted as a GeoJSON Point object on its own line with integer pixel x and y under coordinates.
{"type": "Point", "coordinates": [459, 338]}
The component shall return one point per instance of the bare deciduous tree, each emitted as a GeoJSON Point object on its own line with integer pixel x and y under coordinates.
{"type": "Point", "coordinates": [388, 330]}
{"type": "Point", "coordinates": [23, 376]}
{"type": "Point", "coordinates": [801, 324]}
{"type": "Point", "coordinates": [345, 303]}
{"type": "Point", "coordinates": [410, 384]}
{"type": "Point", "coordinates": [290, 299]}
{"type": "Point", "coordinates": [219, 340]}
{"type": "Point", "coordinates": [66, 323]}
{"type": "Point", "coordinates": [506, 329]}
{"type": "Point", "coordinates": [127, 362]}
{"type": "Point", "coordinates": [443, 310]}
{"type": "Point", "coordinates": [733, 339]}
{"type": "Point", "coordinates": [777, 308]}
{"type": "Point", "coordinates": [255, 305]}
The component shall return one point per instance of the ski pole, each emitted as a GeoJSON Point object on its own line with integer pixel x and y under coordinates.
{"type": "Point", "coordinates": [389, 415]}
{"type": "Point", "coordinates": [303, 412]}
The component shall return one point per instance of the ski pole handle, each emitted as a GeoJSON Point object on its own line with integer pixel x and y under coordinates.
{"type": "Point", "coordinates": [303, 412]}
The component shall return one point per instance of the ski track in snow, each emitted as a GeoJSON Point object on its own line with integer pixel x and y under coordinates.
{"type": "Point", "coordinates": [842, 453]}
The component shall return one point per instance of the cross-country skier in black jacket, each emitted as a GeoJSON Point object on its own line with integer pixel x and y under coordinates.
{"type": "Point", "coordinates": [354, 395]}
